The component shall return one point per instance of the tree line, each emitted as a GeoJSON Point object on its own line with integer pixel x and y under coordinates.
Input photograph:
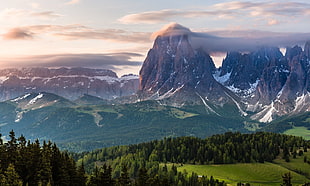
{"type": "Point", "coordinates": [25, 163]}
{"type": "Point", "coordinates": [29, 163]}
{"type": "Point", "coordinates": [226, 148]}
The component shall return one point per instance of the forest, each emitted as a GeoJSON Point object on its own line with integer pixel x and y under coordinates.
{"type": "Point", "coordinates": [155, 163]}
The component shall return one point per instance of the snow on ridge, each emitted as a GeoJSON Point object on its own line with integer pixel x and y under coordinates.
{"type": "Point", "coordinates": [170, 93]}
{"type": "Point", "coordinates": [268, 115]}
{"type": "Point", "coordinates": [238, 105]}
{"type": "Point", "coordinates": [32, 101]}
{"type": "Point", "coordinates": [3, 79]}
{"type": "Point", "coordinates": [206, 105]}
{"type": "Point", "coordinates": [106, 78]}
{"type": "Point", "coordinates": [129, 77]}
{"type": "Point", "coordinates": [20, 98]}
{"type": "Point", "coordinates": [246, 92]}
{"type": "Point", "coordinates": [301, 100]}
{"type": "Point", "coordinates": [221, 79]}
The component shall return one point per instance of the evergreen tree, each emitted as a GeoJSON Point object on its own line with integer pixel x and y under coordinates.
{"type": "Point", "coordinates": [124, 178]}
{"type": "Point", "coordinates": [10, 177]}
{"type": "Point", "coordinates": [286, 179]}
{"type": "Point", "coordinates": [81, 176]}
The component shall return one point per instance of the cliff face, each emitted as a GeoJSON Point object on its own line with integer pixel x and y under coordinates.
{"type": "Point", "coordinates": [70, 83]}
{"type": "Point", "coordinates": [263, 82]}
{"type": "Point", "coordinates": [270, 84]}
{"type": "Point", "coordinates": [175, 72]}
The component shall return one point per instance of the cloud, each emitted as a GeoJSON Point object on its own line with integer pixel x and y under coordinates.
{"type": "Point", "coordinates": [273, 22]}
{"type": "Point", "coordinates": [13, 13]}
{"type": "Point", "coordinates": [78, 32]}
{"type": "Point", "coordinates": [17, 34]}
{"type": "Point", "coordinates": [45, 14]}
{"type": "Point", "coordinates": [160, 16]}
{"type": "Point", "coordinates": [113, 61]}
{"type": "Point", "coordinates": [227, 10]}
{"type": "Point", "coordinates": [244, 40]}
{"type": "Point", "coordinates": [72, 2]}
{"type": "Point", "coordinates": [114, 35]}
{"type": "Point", "coordinates": [171, 29]}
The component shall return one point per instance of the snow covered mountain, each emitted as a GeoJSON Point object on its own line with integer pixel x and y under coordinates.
{"type": "Point", "coordinates": [262, 84]}
{"type": "Point", "coordinates": [70, 83]}
{"type": "Point", "coordinates": [270, 84]}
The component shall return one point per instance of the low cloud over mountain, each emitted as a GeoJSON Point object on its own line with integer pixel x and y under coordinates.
{"type": "Point", "coordinates": [245, 41]}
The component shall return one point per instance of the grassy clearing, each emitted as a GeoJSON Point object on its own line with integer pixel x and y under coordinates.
{"type": "Point", "coordinates": [299, 131]}
{"type": "Point", "coordinates": [253, 173]}
{"type": "Point", "coordinates": [297, 164]}
{"type": "Point", "coordinates": [180, 114]}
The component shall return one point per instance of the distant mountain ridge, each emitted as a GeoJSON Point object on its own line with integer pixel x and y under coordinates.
{"type": "Point", "coordinates": [70, 83]}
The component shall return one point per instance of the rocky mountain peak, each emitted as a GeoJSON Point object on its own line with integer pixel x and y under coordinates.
{"type": "Point", "coordinates": [242, 72]}
{"type": "Point", "coordinates": [307, 49]}
{"type": "Point", "coordinates": [292, 52]}
{"type": "Point", "coordinates": [173, 70]}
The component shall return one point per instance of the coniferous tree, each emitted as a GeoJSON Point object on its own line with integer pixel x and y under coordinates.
{"type": "Point", "coordinates": [10, 177]}
{"type": "Point", "coordinates": [142, 177]}
{"type": "Point", "coordinates": [124, 178]}
{"type": "Point", "coordinates": [286, 179]}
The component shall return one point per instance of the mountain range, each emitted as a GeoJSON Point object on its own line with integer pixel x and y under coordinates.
{"type": "Point", "coordinates": [263, 84]}
{"type": "Point", "coordinates": [70, 83]}
{"type": "Point", "coordinates": [179, 92]}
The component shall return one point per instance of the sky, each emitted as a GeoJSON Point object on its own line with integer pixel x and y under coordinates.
{"type": "Point", "coordinates": [117, 34]}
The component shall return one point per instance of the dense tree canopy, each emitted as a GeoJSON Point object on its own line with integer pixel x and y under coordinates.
{"type": "Point", "coordinates": [153, 163]}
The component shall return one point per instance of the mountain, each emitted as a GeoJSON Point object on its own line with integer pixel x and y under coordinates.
{"type": "Point", "coordinates": [176, 74]}
{"type": "Point", "coordinates": [81, 127]}
{"type": "Point", "coordinates": [70, 83]}
{"type": "Point", "coordinates": [90, 100]}
{"type": "Point", "coordinates": [271, 85]}
{"type": "Point", "coordinates": [263, 84]}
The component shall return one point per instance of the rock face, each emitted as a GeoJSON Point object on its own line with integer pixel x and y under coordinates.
{"type": "Point", "coordinates": [176, 73]}
{"type": "Point", "coordinates": [265, 83]}
{"type": "Point", "coordinates": [270, 84]}
{"type": "Point", "coordinates": [70, 83]}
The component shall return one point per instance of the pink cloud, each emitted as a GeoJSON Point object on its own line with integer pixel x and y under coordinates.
{"type": "Point", "coordinates": [227, 10]}
{"type": "Point", "coordinates": [73, 2]}
{"type": "Point", "coordinates": [17, 34]}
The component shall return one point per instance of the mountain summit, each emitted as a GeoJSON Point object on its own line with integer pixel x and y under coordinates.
{"type": "Point", "coordinates": [263, 81]}
{"type": "Point", "coordinates": [175, 73]}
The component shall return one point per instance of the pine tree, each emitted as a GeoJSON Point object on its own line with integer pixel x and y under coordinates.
{"type": "Point", "coordinates": [124, 178]}
{"type": "Point", "coordinates": [287, 179]}
{"type": "Point", "coordinates": [10, 177]}
{"type": "Point", "coordinates": [81, 177]}
{"type": "Point", "coordinates": [142, 177]}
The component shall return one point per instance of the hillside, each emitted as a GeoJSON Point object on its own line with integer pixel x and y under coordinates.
{"type": "Point", "coordinates": [259, 158]}
{"type": "Point", "coordinates": [86, 127]}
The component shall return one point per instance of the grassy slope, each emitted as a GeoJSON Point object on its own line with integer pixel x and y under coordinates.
{"type": "Point", "coordinates": [254, 173]}
{"type": "Point", "coordinates": [299, 131]}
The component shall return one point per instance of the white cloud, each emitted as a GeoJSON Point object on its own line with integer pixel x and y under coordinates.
{"type": "Point", "coordinates": [265, 11]}
{"type": "Point", "coordinates": [13, 13]}
{"type": "Point", "coordinates": [72, 2]}
{"type": "Point", "coordinates": [77, 32]}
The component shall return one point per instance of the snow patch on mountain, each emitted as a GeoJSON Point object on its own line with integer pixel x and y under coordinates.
{"type": "Point", "coordinates": [32, 101]}
{"type": "Point", "coordinates": [245, 93]}
{"type": "Point", "coordinates": [221, 79]}
{"type": "Point", "coordinates": [20, 98]}
{"type": "Point", "coordinates": [206, 105]}
{"type": "Point", "coordinates": [169, 93]}
{"type": "Point", "coordinates": [265, 115]}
